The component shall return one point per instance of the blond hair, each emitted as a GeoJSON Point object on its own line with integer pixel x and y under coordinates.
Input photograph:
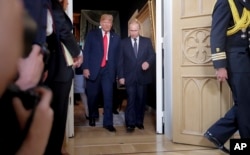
{"type": "Point", "coordinates": [107, 17]}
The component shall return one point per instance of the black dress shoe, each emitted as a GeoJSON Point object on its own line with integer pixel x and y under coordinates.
{"type": "Point", "coordinates": [140, 126]}
{"type": "Point", "coordinates": [216, 142]}
{"type": "Point", "coordinates": [110, 128]}
{"type": "Point", "coordinates": [91, 121]}
{"type": "Point", "coordinates": [130, 128]}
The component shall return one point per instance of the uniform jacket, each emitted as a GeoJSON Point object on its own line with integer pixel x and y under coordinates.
{"type": "Point", "coordinates": [231, 52]}
{"type": "Point", "coordinates": [129, 66]}
{"type": "Point", "coordinates": [93, 53]}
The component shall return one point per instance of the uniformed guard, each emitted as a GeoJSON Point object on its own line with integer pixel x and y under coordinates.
{"type": "Point", "coordinates": [230, 55]}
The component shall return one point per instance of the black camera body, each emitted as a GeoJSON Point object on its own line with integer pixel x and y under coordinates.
{"type": "Point", "coordinates": [29, 97]}
{"type": "Point", "coordinates": [13, 135]}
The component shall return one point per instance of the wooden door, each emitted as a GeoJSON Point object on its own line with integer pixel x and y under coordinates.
{"type": "Point", "coordinates": [198, 98]}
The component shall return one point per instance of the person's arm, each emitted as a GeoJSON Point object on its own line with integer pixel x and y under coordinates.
{"type": "Point", "coordinates": [86, 50]}
{"type": "Point", "coordinates": [221, 18]}
{"type": "Point", "coordinates": [78, 60]}
{"type": "Point", "coordinates": [120, 65]}
{"type": "Point", "coordinates": [30, 69]}
{"type": "Point", "coordinates": [150, 53]}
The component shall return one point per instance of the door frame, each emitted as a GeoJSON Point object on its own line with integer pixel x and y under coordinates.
{"type": "Point", "coordinates": [166, 79]}
{"type": "Point", "coordinates": [159, 69]}
{"type": "Point", "coordinates": [167, 23]}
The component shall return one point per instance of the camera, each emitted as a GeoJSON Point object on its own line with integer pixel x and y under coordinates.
{"type": "Point", "coordinates": [14, 135]}
{"type": "Point", "coordinates": [29, 97]}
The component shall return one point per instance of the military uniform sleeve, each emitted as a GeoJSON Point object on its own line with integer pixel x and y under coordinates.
{"type": "Point", "coordinates": [221, 18]}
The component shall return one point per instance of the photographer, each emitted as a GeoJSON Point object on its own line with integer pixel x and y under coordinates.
{"type": "Point", "coordinates": [36, 137]}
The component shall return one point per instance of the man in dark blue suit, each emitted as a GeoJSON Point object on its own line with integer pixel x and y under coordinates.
{"type": "Point", "coordinates": [99, 68]}
{"type": "Point", "coordinates": [231, 59]}
{"type": "Point", "coordinates": [136, 57]}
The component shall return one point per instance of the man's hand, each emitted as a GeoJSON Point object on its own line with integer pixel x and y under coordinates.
{"type": "Point", "coordinates": [122, 81]}
{"type": "Point", "coordinates": [221, 74]}
{"type": "Point", "coordinates": [39, 131]}
{"type": "Point", "coordinates": [86, 73]}
{"type": "Point", "coordinates": [30, 69]}
{"type": "Point", "coordinates": [78, 61]}
{"type": "Point", "coordinates": [145, 65]}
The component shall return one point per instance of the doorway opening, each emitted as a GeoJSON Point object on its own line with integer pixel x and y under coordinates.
{"type": "Point", "coordinates": [133, 8]}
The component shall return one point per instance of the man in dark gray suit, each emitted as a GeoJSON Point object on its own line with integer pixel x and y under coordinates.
{"type": "Point", "coordinates": [136, 57]}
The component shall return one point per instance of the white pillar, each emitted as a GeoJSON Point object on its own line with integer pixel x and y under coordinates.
{"type": "Point", "coordinates": [70, 118]}
{"type": "Point", "coordinates": [168, 66]}
{"type": "Point", "coordinates": [159, 78]}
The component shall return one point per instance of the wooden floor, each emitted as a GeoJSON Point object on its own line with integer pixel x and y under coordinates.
{"type": "Point", "coordinates": [98, 141]}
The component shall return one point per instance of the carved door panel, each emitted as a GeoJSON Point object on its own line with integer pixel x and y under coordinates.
{"type": "Point", "coordinates": [198, 98]}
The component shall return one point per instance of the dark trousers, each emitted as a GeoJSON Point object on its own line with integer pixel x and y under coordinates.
{"type": "Point", "coordinates": [238, 117]}
{"type": "Point", "coordinates": [60, 107]}
{"type": "Point", "coordinates": [103, 84]}
{"type": "Point", "coordinates": [135, 109]}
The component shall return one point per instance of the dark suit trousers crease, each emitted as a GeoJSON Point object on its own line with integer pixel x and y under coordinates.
{"type": "Point", "coordinates": [104, 84]}
{"type": "Point", "coordinates": [135, 109]}
{"type": "Point", "coordinates": [60, 106]}
{"type": "Point", "coordinates": [238, 117]}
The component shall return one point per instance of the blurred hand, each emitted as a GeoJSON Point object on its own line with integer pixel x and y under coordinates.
{"type": "Point", "coordinates": [122, 81]}
{"type": "Point", "coordinates": [39, 131]}
{"type": "Point", "coordinates": [221, 74]}
{"type": "Point", "coordinates": [78, 61]}
{"type": "Point", "coordinates": [30, 69]}
{"type": "Point", "coordinates": [145, 65]}
{"type": "Point", "coordinates": [86, 73]}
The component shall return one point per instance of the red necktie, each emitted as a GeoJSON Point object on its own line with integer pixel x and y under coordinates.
{"type": "Point", "coordinates": [105, 46]}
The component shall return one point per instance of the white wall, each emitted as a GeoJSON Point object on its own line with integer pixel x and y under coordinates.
{"type": "Point", "coordinates": [70, 118]}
